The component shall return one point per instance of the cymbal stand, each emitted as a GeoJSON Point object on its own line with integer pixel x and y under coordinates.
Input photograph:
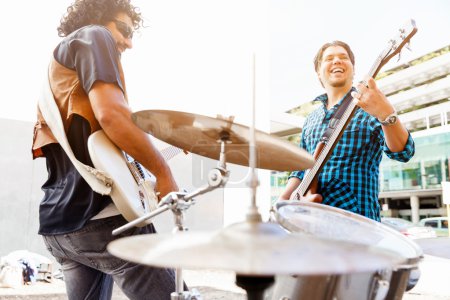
{"type": "Point", "coordinates": [254, 285]}
{"type": "Point", "coordinates": [216, 178]}
{"type": "Point", "coordinates": [179, 202]}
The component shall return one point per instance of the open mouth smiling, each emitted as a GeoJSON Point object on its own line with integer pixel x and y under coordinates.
{"type": "Point", "coordinates": [337, 70]}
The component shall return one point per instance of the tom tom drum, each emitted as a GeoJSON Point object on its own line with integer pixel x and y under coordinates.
{"type": "Point", "coordinates": [336, 224]}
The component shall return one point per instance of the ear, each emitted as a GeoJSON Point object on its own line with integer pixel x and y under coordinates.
{"type": "Point", "coordinates": [318, 76]}
{"type": "Point", "coordinates": [320, 79]}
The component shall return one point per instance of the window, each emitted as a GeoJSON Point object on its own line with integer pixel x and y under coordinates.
{"type": "Point", "coordinates": [417, 125]}
{"type": "Point", "coordinates": [435, 121]}
{"type": "Point", "coordinates": [433, 224]}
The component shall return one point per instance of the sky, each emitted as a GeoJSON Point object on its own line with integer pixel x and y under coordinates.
{"type": "Point", "coordinates": [214, 57]}
{"type": "Point", "coordinates": [300, 28]}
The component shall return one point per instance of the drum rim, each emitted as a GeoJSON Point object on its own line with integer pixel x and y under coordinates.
{"type": "Point", "coordinates": [410, 261]}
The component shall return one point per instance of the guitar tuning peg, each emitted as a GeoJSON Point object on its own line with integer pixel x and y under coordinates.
{"type": "Point", "coordinates": [408, 46]}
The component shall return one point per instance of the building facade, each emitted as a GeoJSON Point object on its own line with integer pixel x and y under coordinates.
{"type": "Point", "coordinates": [420, 92]}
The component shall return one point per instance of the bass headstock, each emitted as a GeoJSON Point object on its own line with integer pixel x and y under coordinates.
{"type": "Point", "coordinates": [395, 45]}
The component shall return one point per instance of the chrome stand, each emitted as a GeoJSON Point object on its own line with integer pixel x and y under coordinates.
{"type": "Point", "coordinates": [179, 202]}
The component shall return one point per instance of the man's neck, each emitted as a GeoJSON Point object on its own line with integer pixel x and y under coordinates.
{"type": "Point", "coordinates": [335, 94]}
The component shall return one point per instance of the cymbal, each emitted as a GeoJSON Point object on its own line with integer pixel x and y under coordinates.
{"type": "Point", "coordinates": [252, 249]}
{"type": "Point", "coordinates": [201, 135]}
{"type": "Point", "coordinates": [439, 246]}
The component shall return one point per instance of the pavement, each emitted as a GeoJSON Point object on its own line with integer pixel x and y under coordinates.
{"type": "Point", "coordinates": [434, 284]}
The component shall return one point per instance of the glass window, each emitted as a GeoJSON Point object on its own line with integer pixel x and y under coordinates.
{"type": "Point", "coordinates": [433, 224]}
{"type": "Point", "coordinates": [435, 121]}
{"type": "Point", "coordinates": [412, 178]}
{"type": "Point", "coordinates": [427, 169]}
{"type": "Point", "coordinates": [417, 125]}
{"type": "Point", "coordinates": [433, 173]}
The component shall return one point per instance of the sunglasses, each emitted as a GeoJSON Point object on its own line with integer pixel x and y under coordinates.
{"type": "Point", "coordinates": [124, 29]}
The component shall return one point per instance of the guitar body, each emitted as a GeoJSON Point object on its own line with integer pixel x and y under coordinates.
{"type": "Point", "coordinates": [133, 187]}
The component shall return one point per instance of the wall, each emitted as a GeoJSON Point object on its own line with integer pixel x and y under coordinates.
{"type": "Point", "coordinates": [20, 179]}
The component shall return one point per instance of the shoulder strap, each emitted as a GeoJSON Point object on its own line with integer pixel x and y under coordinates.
{"type": "Point", "coordinates": [98, 180]}
{"type": "Point", "coordinates": [335, 119]}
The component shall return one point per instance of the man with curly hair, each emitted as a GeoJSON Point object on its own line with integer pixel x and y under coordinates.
{"type": "Point", "coordinates": [88, 85]}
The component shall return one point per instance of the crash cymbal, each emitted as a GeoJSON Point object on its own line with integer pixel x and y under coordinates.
{"type": "Point", "coordinates": [200, 135]}
{"type": "Point", "coordinates": [439, 246]}
{"type": "Point", "coordinates": [252, 249]}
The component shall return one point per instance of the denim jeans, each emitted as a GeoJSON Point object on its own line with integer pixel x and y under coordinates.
{"type": "Point", "coordinates": [90, 270]}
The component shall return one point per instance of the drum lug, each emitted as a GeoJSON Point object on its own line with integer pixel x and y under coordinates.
{"type": "Point", "coordinates": [380, 287]}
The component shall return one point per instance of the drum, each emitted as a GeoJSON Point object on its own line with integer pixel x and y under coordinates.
{"type": "Point", "coordinates": [333, 223]}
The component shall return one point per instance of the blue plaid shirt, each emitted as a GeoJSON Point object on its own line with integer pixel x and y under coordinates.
{"type": "Point", "coordinates": [349, 179]}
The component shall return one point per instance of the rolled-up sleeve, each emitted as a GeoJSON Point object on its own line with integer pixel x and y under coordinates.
{"type": "Point", "coordinates": [405, 155]}
{"type": "Point", "coordinates": [297, 174]}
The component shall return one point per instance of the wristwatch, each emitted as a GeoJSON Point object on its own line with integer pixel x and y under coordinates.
{"type": "Point", "coordinates": [390, 120]}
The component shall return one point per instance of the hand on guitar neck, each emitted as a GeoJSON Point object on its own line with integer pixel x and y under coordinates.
{"type": "Point", "coordinates": [290, 192]}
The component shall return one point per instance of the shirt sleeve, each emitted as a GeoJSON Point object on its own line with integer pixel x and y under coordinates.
{"type": "Point", "coordinates": [297, 174]}
{"type": "Point", "coordinates": [92, 52]}
{"type": "Point", "coordinates": [406, 154]}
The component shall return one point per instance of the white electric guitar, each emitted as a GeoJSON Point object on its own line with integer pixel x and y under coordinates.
{"type": "Point", "coordinates": [133, 189]}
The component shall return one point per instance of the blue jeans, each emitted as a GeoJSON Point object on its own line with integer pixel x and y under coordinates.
{"type": "Point", "coordinates": [90, 270]}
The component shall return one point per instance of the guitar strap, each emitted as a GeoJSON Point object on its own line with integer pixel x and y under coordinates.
{"type": "Point", "coordinates": [98, 180]}
{"type": "Point", "coordinates": [336, 117]}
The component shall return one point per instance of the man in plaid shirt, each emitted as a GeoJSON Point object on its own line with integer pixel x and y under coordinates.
{"type": "Point", "coordinates": [349, 179]}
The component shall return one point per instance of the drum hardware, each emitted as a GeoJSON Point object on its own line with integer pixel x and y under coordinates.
{"type": "Point", "coordinates": [380, 287]}
{"type": "Point", "coordinates": [254, 285]}
{"type": "Point", "coordinates": [255, 250]}
{"type": "Point", "coordinates": [179, 202]}
{"type": "Point", "coordinates": [251, 249]}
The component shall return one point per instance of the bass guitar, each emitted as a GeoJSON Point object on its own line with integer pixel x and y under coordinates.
{"type": "Point", "coordinates": [133, 189]}
{"type": "Point", "coordinates": [325, 148]}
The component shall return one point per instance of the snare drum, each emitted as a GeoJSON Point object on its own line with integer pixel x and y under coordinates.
{"type": "Point", "coordinates": [333, 223]}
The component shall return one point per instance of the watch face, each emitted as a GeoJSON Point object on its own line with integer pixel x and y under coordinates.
{"type": "Point", "coordinates": [392, 119]}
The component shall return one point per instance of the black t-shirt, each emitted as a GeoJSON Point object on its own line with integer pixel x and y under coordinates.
{"type": "Point", "coordinates": [69, 202]}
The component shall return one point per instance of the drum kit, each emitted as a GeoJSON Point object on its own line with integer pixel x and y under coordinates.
{"type": "Point", "coordinates": [305, 250]}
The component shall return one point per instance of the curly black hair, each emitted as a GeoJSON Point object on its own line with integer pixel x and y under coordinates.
{"type": "Point", "coordinates": [86, 12]}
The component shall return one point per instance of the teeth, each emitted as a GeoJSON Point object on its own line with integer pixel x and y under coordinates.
{"type": "Point", "coordinates": [337, 70]}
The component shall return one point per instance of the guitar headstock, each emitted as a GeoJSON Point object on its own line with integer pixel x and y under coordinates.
{"type": "Point", "coordinates": [395, 45]}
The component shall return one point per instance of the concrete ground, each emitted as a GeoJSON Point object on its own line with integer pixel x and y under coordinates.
{"type": "Point", "coordinates": [212, 284]}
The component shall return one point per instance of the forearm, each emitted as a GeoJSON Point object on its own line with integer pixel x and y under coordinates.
{"type": "Point", "coordinates": [114, 116]}
{"type": "Point", "coordinates": [395, 136]}
{"type": "Point", "coordinates": [135, 142]}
